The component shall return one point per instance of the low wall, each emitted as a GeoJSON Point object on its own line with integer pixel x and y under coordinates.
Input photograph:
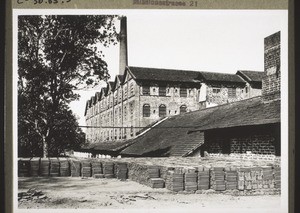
{"type": "Point", "coordinates": [178, 175]}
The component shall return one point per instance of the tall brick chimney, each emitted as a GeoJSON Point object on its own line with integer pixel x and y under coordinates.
{"type": "Point", "coordinates": [271, 79]}
{"type": "Point", "coordinates": [123, 45]}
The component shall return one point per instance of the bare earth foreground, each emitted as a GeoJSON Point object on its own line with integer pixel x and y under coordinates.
{"type": "Point", "coordinates": [73, 193]}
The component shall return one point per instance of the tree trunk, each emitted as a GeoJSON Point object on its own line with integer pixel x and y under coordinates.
{"type": "Point", "coordinates": [45, 147]}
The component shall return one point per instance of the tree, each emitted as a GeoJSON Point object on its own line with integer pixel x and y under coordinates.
{"type": "Point", "coordinates": [56, 54]}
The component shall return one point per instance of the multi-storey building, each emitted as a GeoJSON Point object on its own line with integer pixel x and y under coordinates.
{"type": "Point", "coordinates": [139, 96]}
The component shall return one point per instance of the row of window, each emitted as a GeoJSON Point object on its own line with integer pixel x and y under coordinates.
{"type": "Point", "coordinates": [162, 91]}
{"type": "Point", "coordinates": [231, 92]}
{"type": "Point", "coordinates": [162, 110]}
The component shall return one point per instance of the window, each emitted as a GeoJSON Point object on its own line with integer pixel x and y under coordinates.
{"type": "Point", "coordinates": [116, 98]}
{"type": "Point", "coordinates": [162, 110]}
{"type": "Point", "coordinates": [125, 92]}
{"type": "Point", "coordinates": [131, 110]}
{"type": "Point", "coordinates": [115, 133]}
{"type": "Point", "coordinates": [120, 96]}
{"type": "Point", "coordinates": [131, 89]}
{"type": "Point", "coordinates": [125, 113]}
{"type": "Point", "coordinates": [183, 92]}
{"type": "Point", "coordinates": [146, 110]}
{"type": "Point", "coordinates": [182, 109]}
{"type": "Point", "coordinates": [162, 91]}
{"type": "Point", "coordinates": [246, 89]}
{"type": "Point", "coordinates": [216, 90]}
{"type": "Point", "coordinates": [120, 114]}
{"type": "Point", "coordinates": [231, 92]}
{"type": "Point", "coordinates": [146, 90]}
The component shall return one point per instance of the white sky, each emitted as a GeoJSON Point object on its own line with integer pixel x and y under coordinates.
{"type": "Point", "coordinates": [203, 40]}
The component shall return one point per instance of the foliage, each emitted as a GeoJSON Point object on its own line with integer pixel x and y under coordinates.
{"type": "Point", "coordinates": [56, 54]}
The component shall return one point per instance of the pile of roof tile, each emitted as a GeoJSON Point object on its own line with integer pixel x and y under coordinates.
{"type": "Point", "coordinates": [203, 178]}
{"type": "Point", "coordinates": [157, 183]}
{"type": "Point", "coordinates": [54, 167]}
{"type": "Point", "coordinates": [121, 170]}
{"type": "Point", "coordinates": [277, 177]}
{"type": "Point", "coordinates": [108, 169]}
{"type": "Point", "coordinates": [231, 179]}
{"type": "Point", "coordinates": [44, 167]}
{"type": "Point", "coordinates": [97, 171]}
{"type": "Point", "coordinates": [86, 169]}
{"type": "Point", "coordinates": [217, 180]}
{"type": "Point", "coordinates": [64, 169]}
{"type": "Point", "coordinates": [24, 167]}
{"type": "Point", "coordinates": [34, 167]}
{"type": "Point", "coordinates": [175, 181]}
{"type": "Point", "coordinates": [190, 180]}
{"type": "Point", "coordinates": [75, 168]}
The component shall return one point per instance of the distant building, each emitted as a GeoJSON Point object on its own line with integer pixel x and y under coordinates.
{"type": "Point", "coordinates": [139, 97]}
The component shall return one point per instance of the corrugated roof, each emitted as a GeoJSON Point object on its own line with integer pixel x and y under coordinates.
{"type": "Point", "coordinates": [180, 134]}
{"type": "Point", "coordinates": [251, 76]}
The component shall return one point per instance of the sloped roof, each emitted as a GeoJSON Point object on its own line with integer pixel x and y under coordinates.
{"type": "Point", "coordinates": [223, 77]}
{"type": "Point", "coordinates": [251, 76]}
{"type": "Point", "coordinates": [113, 146]}
{"type": "Point", "coordinates": [155, 74]}
{"type": "Point", "coordinates": [178, 135]}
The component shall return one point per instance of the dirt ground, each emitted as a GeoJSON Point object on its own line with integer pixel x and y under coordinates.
{"type": "Point", "coordinates": [90, 193]}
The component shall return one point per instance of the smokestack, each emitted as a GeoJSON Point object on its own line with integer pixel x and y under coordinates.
{"type": "Point", "coordinates": [123, 45]}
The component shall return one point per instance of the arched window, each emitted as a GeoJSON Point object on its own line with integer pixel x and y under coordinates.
{"type": "Point", "coordinates": [162, 110]}
{"type": "Point", "coordinates": [182, 109]}
{"type": "Point", "coordinates": [146, 110]}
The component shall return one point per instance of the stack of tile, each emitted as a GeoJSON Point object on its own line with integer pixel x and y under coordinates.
{"type": "Point", "coordinates": [241, 179]}
{"type": "Point", "coordinates": [86, 169]}
{"type": "Point", "coordinates": [256, 175]}
{"type": "Point", "coordinates": [121, 171]}
{"type": "Point", "coordinates": [231, 179]}
{"type": "Point", "coordinates": [54, 167]}
{"type": "Point", "coordinates": [44, 167]}
{"type": "Point", "coordinates": [24, 167]}
{"type": "Point", "coordinates": [34, 167]}
{"type": "Point", "coordinates": [108, 169]}
{"type": "Point", "coordinates": [97, 169]}
{"type": "Point", "coordinates": [203, 178]}
{"type": "Point", "coordinates": [75, 166]}
{"type": "Point", "coordinates": [174, 181]}
{"type": "Point", "coordinates": [157, 183]}
{"type": "Point", "coordinates": [268, 177]}
{"type": "Point", "coordinates": [190, 181]}
{"type": "Point", "coordinates": [277, 177]}
{"type": "Point", "coordinates": [153, 171]}
{"type": "Point", "coordinates": [138, 172]}
{"type": "Point", "coordinates": [218, 178]}
{"type": "Point", "coordinates": [64, 167]}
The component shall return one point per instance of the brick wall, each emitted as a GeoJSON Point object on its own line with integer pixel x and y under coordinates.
{"type": "Point", "coordinates": [271, 80]}
{"type": "Point", "coordinates": [263, 140]}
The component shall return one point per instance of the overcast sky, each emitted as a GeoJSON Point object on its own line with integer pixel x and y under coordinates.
{"type": "Point", "coordinates": [201, 40]}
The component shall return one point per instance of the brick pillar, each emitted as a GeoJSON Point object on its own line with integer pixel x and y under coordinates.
{"type": "Point", "coordinates": [271, 79]}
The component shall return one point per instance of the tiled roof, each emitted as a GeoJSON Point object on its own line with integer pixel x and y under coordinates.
{"type": "Point", "coordinates": [223, 77]}
{"type": "Point", "coordinates": [155, 74]}
{"type": "Point", "coordinates": [113, 146]}
{"type": "Point", "coordinates": [178, 135]}
{"type": "Point", "coordinates": [251, 76]}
